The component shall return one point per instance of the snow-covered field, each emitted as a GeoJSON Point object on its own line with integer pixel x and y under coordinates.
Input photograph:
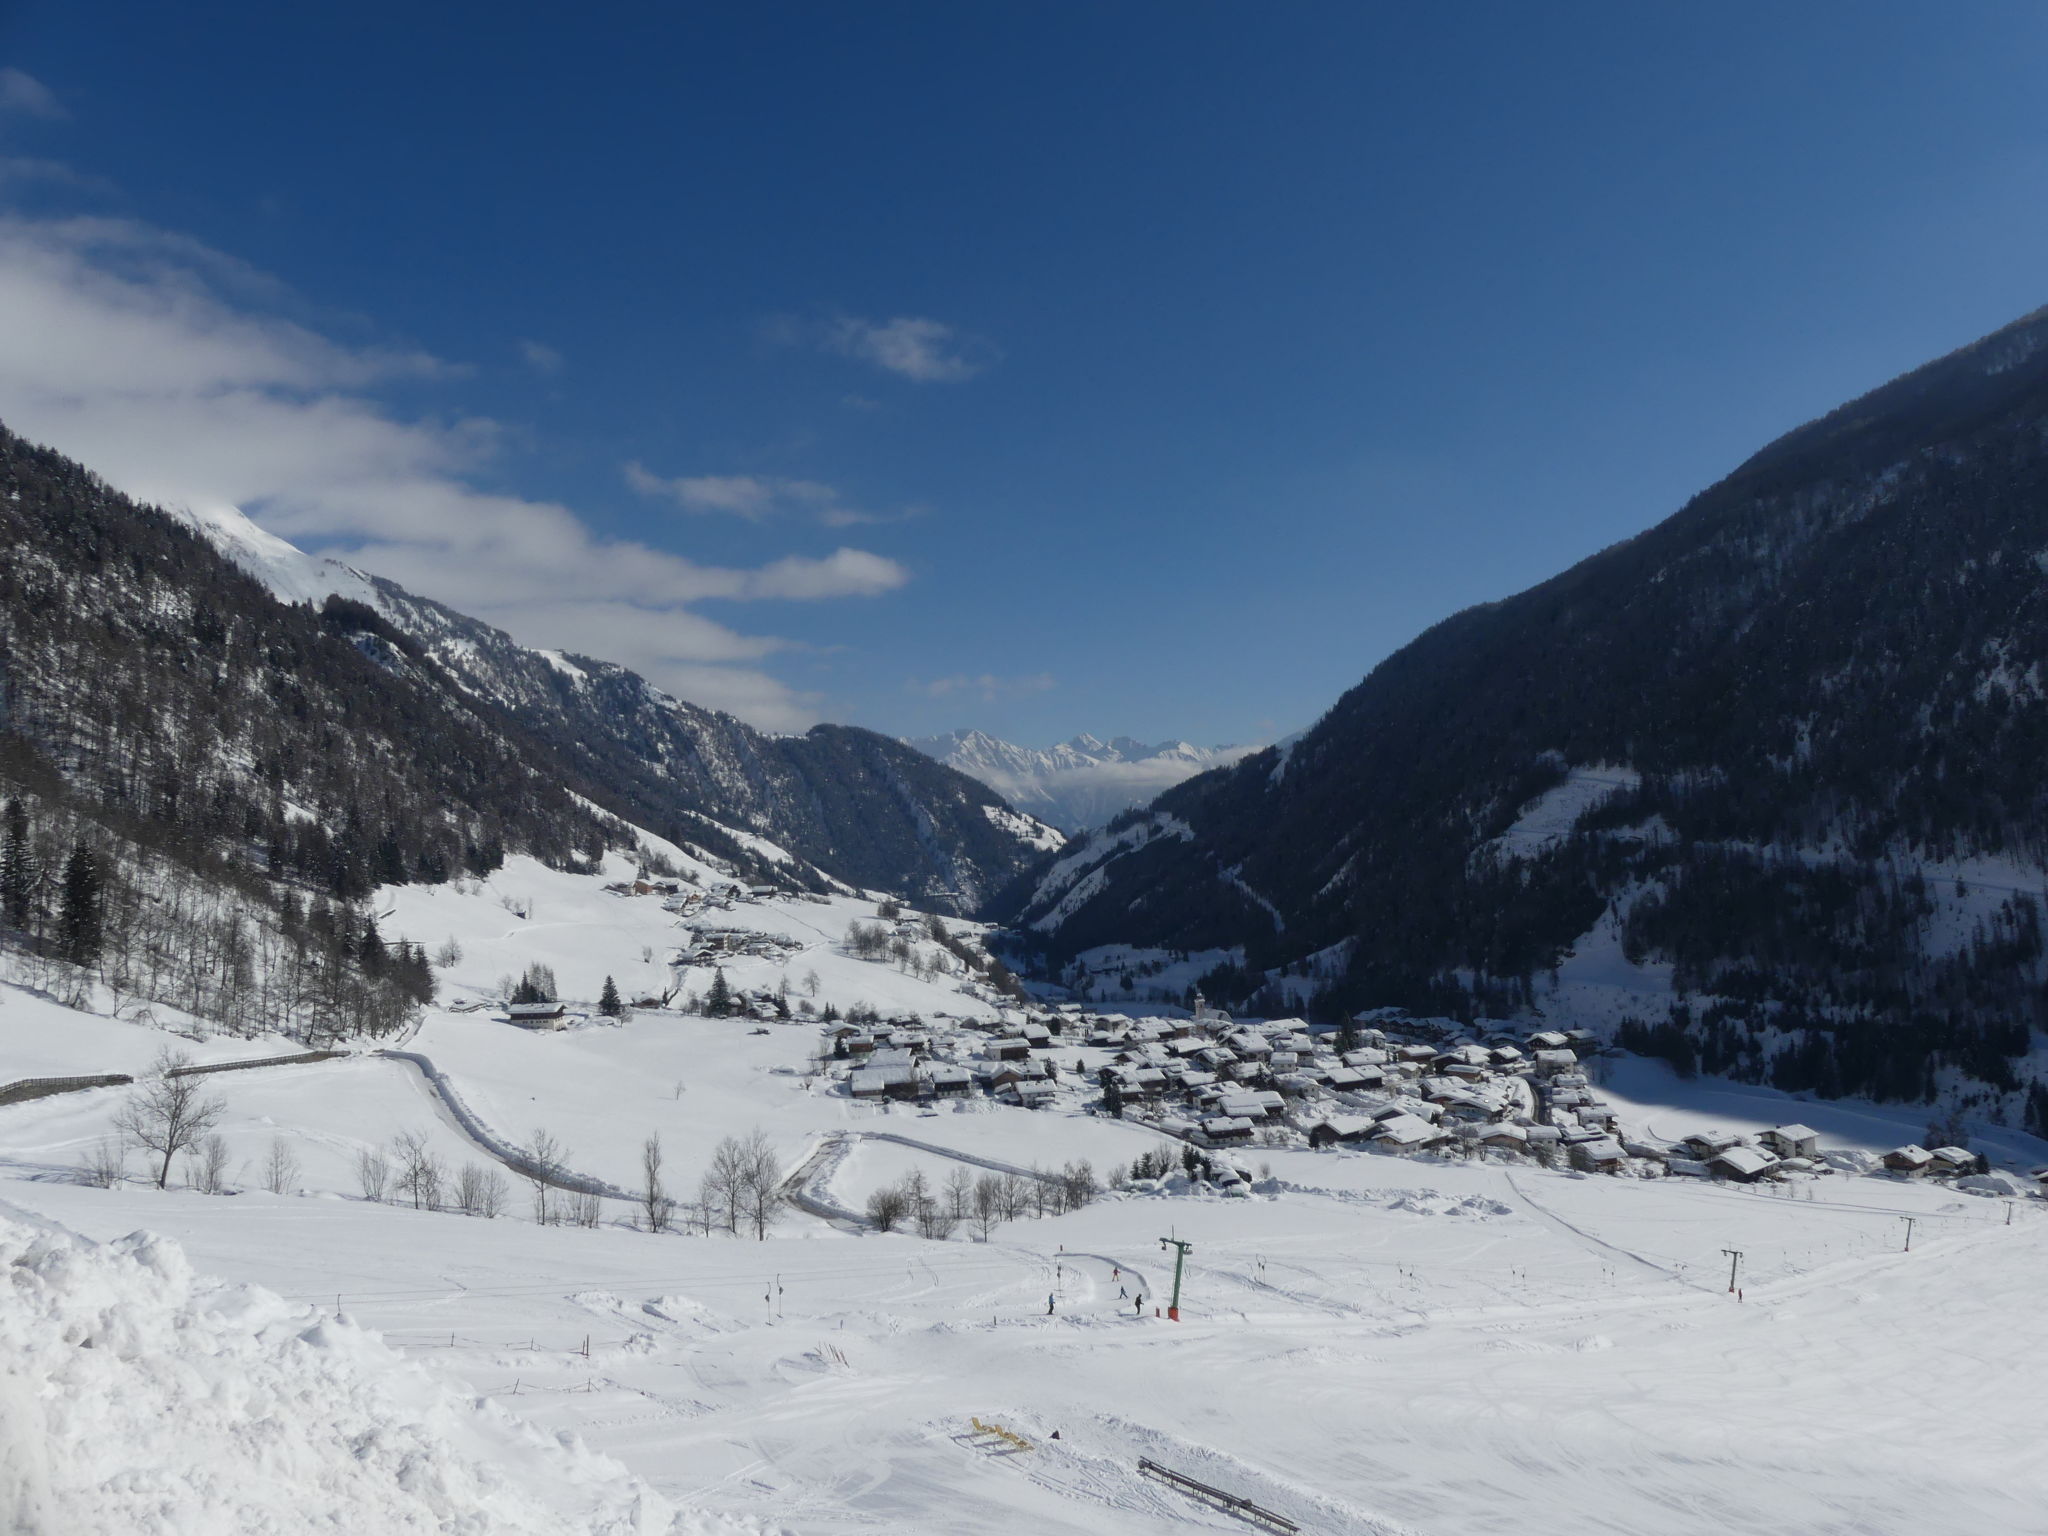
{"type": "Point", "coordinates": [1368, 1344]}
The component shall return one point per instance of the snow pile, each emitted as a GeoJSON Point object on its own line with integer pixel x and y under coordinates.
{"type": "Point", "coordinates": [136, 1397]}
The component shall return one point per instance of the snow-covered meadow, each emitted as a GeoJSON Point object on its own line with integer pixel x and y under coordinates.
{"type": "Point", "coordinates": [1368, 1344]}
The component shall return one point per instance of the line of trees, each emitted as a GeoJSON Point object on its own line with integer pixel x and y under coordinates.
{"type": "Point", "coordinates": [981, 1202]}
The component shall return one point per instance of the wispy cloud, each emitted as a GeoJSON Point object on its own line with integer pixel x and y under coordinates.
{"type": "Point", "coordinates": [758, 497]}
{"type": "Point", "coordinates": [27, 96]}
{"type": "Point", "coordinates": [984, 685]}
{"type": "Point", "coordinates": [156, 361]}
{"type": "Point", "coordinates": [913, 347]}
{"type": "Point", "coordinates": [539, 356]}
{"type": "Point", "coordinates": [928, 351]}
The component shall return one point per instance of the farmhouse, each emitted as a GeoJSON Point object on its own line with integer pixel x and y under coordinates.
{"type": "Point", "coordinates": [538, 1015]}
{"type": "Point", "coordinates": [1742, 1164]}
{"type": "Point", "coordinates": [1346, 1129]}
{"type": "Point", "coordinates": [1909, 1159]}
{"type": "Point", "coordinates": [1793, 1141]}
{"type": "Point", "coordinates": [1952, 1160]}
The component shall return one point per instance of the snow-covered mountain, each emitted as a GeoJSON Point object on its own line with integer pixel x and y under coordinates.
{"type": "Point", "coordinates": [1080, 783]}
{"type": "Point", "coordinates": [1759, 788]}
{"type": "Point", "coordinates": [350, 729]}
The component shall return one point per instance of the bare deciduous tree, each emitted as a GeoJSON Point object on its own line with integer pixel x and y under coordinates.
{"type": "Point", "coordinates": [167, 1114]}
{"type": "Point", "coordinates": [206, 1165]}
{"type": "Point", "coordinates": [585, 1208]}
{"type": "Point", "coordinates": [373, 1173]}
{"type": "Point", "coordinates": [281, 1168]}
{"type": "Point", "coordinates": [988, 1206]}
{"type": "Point", "coordinates": [959, 1195]}
{"type": "Point", "coordinates": [654, 1198]}
{"type": "Point", "coordinates": [761, 1196]}
{"type": "Point", "coordinates": [479, 1191]}
{"type": "Point", "coordinates": [106, 1164]}
{"type": "Point", "coordinates": [543, 1162]}
{"type": "Point", "coordinates": [887, 1208]}
{"type": "Point", "coordinates": [420, 1173]}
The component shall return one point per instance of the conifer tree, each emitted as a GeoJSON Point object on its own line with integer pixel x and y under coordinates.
{"type": "Point", "coordinates": [81, 921]}
{"type": "Point", "coordinates": [608, 1002]}
{"type": "Point", "coordinates": [17, 867]}
{"type": "Point", "coordinates": [718, 1002]}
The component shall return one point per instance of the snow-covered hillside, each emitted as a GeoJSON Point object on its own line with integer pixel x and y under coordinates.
{"type": "Point", "coordinates": [1370, 1345]}
{"type": "Point", "coordinates": [1080, 783]}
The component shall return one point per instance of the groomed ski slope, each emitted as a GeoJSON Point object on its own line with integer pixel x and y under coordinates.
{"type": "Point", "coordinates": [1370, 1344]}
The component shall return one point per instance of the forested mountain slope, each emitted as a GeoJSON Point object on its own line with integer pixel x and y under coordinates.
{"type": "Point", "coordinates": [861, 807]}
{"type": "Point", "coordinates": [1782, 752]}
{"type": "Point", "coordinates": [149, 681]}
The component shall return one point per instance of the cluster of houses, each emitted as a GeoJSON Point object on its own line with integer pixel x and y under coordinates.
{"type": "Point", "coordinates": [708, 946]}
{"type": "Point", "coordinates": [687, 900]}
{"type": "Point", "coordinates": [911, 1060]}
{"type": "Point", "coordinates": [1386, 1083]}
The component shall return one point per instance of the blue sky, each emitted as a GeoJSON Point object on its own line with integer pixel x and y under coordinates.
{"type": "Point", "coordinates": [1147, 368]}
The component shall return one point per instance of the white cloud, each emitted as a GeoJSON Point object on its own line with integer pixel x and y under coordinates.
{"type": "Point", "coordinates": [25, 94]}
{"type": "Point", "coordinates": [141, 354]}
{"type": "Point", "coordinates": [757, 497]}
{"type": "Point", "coordinates": [984, 685]}
{"type": "Point", "coordinates": [913, 347]}
{"type": "Point", "coordinates": [540, 357]}
{"type": "Point", "coordinates": [929, 351]}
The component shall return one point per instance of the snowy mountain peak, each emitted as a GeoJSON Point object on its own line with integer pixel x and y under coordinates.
{"type": "Point", "coordinates": [1083, 781]}
{"type": "Point", "coordinates": [288, 571]}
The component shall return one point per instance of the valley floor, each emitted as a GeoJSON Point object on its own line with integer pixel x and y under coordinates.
{"type": "Point", "coordinates": [1369, 1344]}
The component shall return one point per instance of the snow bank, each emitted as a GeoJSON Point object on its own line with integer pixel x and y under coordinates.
{"type": "Point", "coordinates": [136, 1397]}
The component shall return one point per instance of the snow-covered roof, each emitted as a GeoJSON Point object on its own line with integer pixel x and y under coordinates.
{"type": "Point", "coordinates": [1746, 1161]}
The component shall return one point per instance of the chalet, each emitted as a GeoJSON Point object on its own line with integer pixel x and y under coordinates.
{"type": "Point", "coordinates": [1909, 1159]}
{"type": "Point", "coordinates": [1548, 1040]}
{"type": "Point", "coordinates": [1743, 1164]}
{"type": "Point", "coordinates": [1353, 1079]}
{"type": "Point", "coordinates": [1504, 1136]}
{"type": "Point", "coordinates": [1550, 1063]}
{"type": "Point", "coordinates": [950, 1082]}
{"type": "Point", "coordinates": [1006, 1050]}
{"type": "Point", "coordinates": [1505, 1056]}
{"type": "Point", "coordinates": [538, 1015]}
{"type": "Point", "coordinates": [1952, 1160]}
{"type": "Point", "coordinates": [1406, 1133]}
{"type": "Point", "coordinates": [1227, 1128]}
{"type": "Point", "coordinates": [1254, 1106]}
{"type": "Point", "coordinates": [1009, 1074]}
{"type": "Point", "coordinates": [1793, 1141]}
{"type": "Point", "coordinates": [1347, 1130]}
{"type": "Point", "coordinates": [1542, 1138]}
{"type": "Point", "coordinates": [1034, 1093]}
{"type": "Point", "coordinates": [1365, 1056]}
{"type": "Point", "coordinates": [1708, 1145]}
{"type": "Point", "coordinates": [1602, 1154]}
{"type": "Point", "coordinates": [883, 1083]}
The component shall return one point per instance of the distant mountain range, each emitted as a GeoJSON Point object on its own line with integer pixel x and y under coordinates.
{"type": "Point", "coordinates": [1761, 789]}
{"type": "Point", "coordinates": [1080, 783]}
